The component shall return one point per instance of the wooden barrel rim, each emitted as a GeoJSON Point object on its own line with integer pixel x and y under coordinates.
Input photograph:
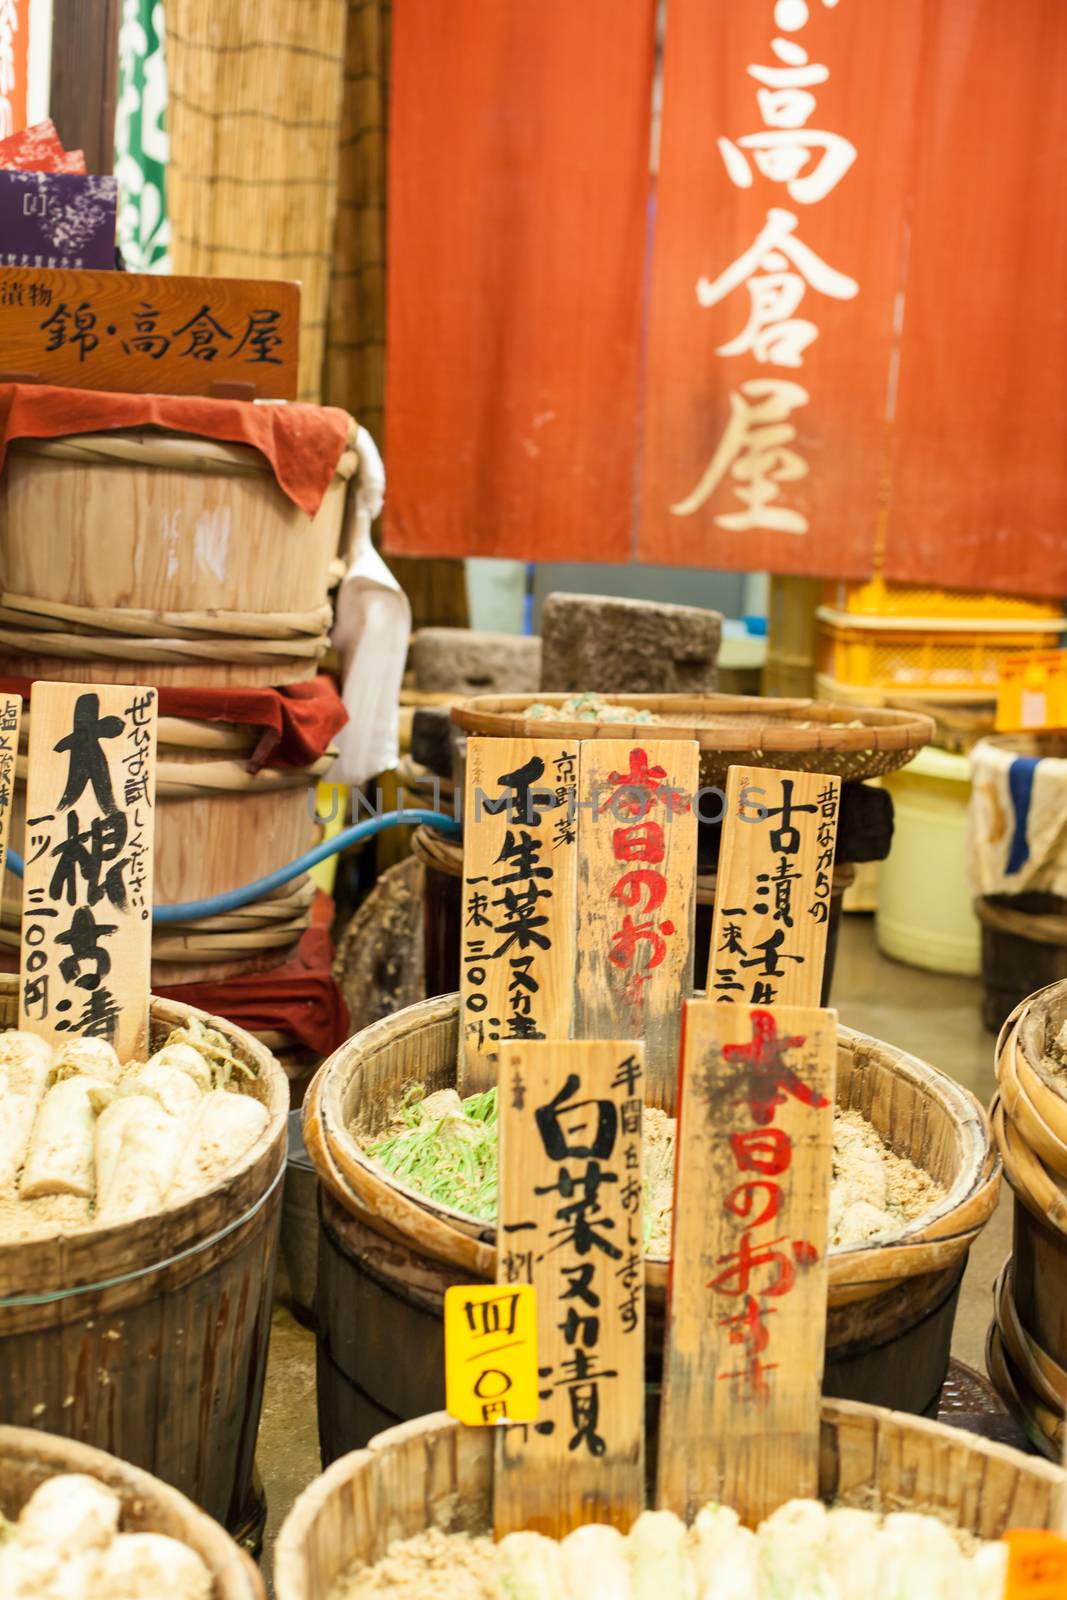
{"type": "Point", "coordinates": [158, 448]}
{"type": "Point", "coordinates": [1037, 927]}
{"type": "Point", "coordinates": [149, 1504]}
{"type": "Point", "coordinates": [454, 1238]}
{"type": "Point", "coordinates": [1027, 1174]}
{"type": "Point", "coordinates": [1039, 1134]}
{"type": "Point", "coordinates": [52, 615]}
{"type": "Point", "coordinates": [392, 1488]}
{"type": "Point", "coordinates": [1046, 1088]}
{"type": "Point", "coordinates": [1044, 1430]}
{"type": "Point", "coordinates": [120, 647]}
{"type": "Point", "coordinates": [1045, 1376]}
{"type": "Point", "coordinates": [55, 1264]}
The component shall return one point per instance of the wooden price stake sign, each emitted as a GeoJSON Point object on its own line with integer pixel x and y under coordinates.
{"type": "Point", "coordinates": [748, 1286]}
{"type": "Point", "coordinates": [637, 868]}
{"type": "Point", "coordinates": [86, 948]}
{"type": "Point", "coordinates": [517, 911]}
{"type": "Point", "coordinates": [10, 722]}
{"type": "Point", "coordinates": [570, 1223]}
{"type": "Point", "coordinates": [772, 896]}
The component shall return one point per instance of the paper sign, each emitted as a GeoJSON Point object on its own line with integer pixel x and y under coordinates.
{"type": "Point", "coordinates": [10, 720]}
{"type": "Point", "coordinates": [1037, 1565]}
{"type": "Point", "coordinates": [145, 333]}
{"type": "Point", "coordinates": [570, 1222]}
{"type": "Point", "coordinates": [87, 888]}
{"type": "Point", "coordinates": [748, 1286]}
{"type": "Point", "coordinates": [491, 1353]}
{"type": "Point", "coordinates": [772, 893]}
{"type": "Point", "coordinates": [637, 853]}
{"type": "Point", "coordinates": [517, 953]}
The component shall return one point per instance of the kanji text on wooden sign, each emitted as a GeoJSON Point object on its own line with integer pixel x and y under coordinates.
{"type": "Point", "coordinates": [570, 1223]}
{"type": "Point", "coordinates": [141, 333]}
{"type": "Point", "coordinates": [517, 955]}
{"type": "Point", "coordinates": [637, 866]}
{"type": "Point", "coordinates": [87, 885]}
{"type": "Point", "coordinates": [10, 720]}
{"type": "Point", "coordinates": [772, 895]}
{"type": "Point", "coordinates": [747, 1325]}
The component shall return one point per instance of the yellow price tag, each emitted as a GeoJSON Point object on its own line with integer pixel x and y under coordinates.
{"type": "Point", "coordinates": [1037, 1565]}
{"type": "Point", "coordinates": [491, 1353]}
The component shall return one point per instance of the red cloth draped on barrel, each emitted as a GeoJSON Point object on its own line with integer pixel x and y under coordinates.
{"type": "Point", "coordinates": [302, 443]}
{"type": "Point", "coordinates": [298, 719]}
{"type": "Point", "coordinates": [299, 997]}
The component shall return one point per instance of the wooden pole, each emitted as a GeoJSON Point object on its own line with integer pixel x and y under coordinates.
{"type": "Point", "coordinates": [85, 64]}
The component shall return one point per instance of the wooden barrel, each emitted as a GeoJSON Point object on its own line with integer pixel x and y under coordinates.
{"type": "Point", "coordinates": [148, 557]}
{"type": "Point", "coordinates": [1027, 1349]}
{"type": "Point", "coordinates": [387, 1255]}
{"type": "Point", "coordinates": [148, 1339]}
{"type": "Point", "coordinates": [443, 898]}
{"type": "Point", "coordinates": [1024, 947]}
{"type": "Point", "coordinates": [29, 1458]}
{"type": "Point", "coordinates": [434, 1473]}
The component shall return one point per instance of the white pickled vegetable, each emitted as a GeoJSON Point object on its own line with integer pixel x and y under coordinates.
{"type": "Point", "coordinates": [138, 1147]}
{"type": "Point", "coordinates": [188, 1059]}
{"type": "Point", "coordinates": [150, 1566]}
{"type": "Point", "coordinates": [35, 1572]}
{"type": "Point", "coordinates": [61, 1158]}
{"type": "Point", "coordinates": [919, 1556]}
{"type": "Point", "coordinates": [658, 1561]}
{"type": "Point", "coordinates": [176, 1090]}
{"type": "Point", "coordinates": [853, 1552]}
{"type": "Point", "coordinates": [69, 1514]}
{"type": "Point", "coordinates": [723, 1555]}
{"type": "Point", "coordinates": [85, 1054]}
{"type": "Point", "coordinates": [988, 1576]}
{"type": "Point", "coordinates": [531, 1568]}
{"type": "Point", "coordinates": [792, 1553]}
{"type": "Point", "coordinates": [595, 1562]}
{"type": "Point", "coordinates": [25, 1069]}
{"type": "Point", "coordinates": [226, 1127]}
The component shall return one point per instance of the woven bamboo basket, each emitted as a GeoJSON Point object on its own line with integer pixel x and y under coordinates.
{"type": "Point", "coordinates": [149, 557]}
{"type": "Point", "coordinates": [434, 1473]}
{"type": "Point", "coordinates": [28, 1459]}
{"type": "Point", "coordinates": [149, 1338]}
{"type": "Point", "coordinates": [1027, 1349]}
{"type": "Point", "coordinates": [855, 742]}
{"type": "Point", "coordinates": [387, 1254]}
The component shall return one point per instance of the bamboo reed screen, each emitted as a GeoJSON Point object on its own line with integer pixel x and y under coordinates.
{"type": "Point", "coordinates": [254, 109]}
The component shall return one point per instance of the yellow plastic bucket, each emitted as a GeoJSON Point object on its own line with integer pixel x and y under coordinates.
{"type": "Point", "coordinates": [925, 916]}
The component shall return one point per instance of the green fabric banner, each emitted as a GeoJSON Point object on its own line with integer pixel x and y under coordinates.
{"type": "Point", "coordinates": [141, 139]}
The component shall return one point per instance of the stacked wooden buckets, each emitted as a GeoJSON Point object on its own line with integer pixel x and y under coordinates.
{"type": "Point", "coordinates": [1027, 1349]}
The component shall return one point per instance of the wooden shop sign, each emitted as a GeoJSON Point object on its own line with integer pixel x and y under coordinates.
{"type": "Point", "coordinates": [772, 894]}
{"type": "Point", "coordinates": [570, 1223]}
{"type": "Point", "coordinates": [10, 722]}
{"type": "Point", "coordinates": [747, 1322]}
{"type": "Point", "coordinates": [517, 911]}
{"type": "Point", "coordinates": [86, 948]}
{"type": "Point", "coordinates": [143, 333]}
{"type": "Point", "coordinates": [637, 868]}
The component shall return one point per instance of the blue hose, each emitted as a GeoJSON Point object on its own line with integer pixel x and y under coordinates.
{"type": "Point", "coordinates": [233, 899]}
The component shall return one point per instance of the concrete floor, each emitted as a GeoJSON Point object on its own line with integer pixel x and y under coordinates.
{"type": "Point", "coordinates": [935, 1017]}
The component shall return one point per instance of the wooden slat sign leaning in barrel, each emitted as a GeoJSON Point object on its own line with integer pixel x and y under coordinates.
{"type": "Point", "coordinates": [86, 945]}
{"type": "Point", "coordinates": [637, 866]}
{"type": "Point", "coordinates": [570, 1223]}
{"type": "Point", "coordinates": [748, 1283]}
{"type": "Point", "coordinates": [10, 722]}
{"type": "Point", "coordinates": [773, 887]}
{"type": "Point", "coordinates": [517, 909]}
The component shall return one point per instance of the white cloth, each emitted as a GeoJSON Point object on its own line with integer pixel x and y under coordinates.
{"type": "Point", "coordinates": [370, 633]}
{"type": "Point", "coordinates": [1000, 830]}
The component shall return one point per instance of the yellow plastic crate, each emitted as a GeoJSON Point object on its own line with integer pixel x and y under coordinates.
{"type": "Point", "coordinates": [1033, 693]}
{"type": "Point", "coordinates": [921, 654]}
{"type": "Point", "coordinates": [878, 598]}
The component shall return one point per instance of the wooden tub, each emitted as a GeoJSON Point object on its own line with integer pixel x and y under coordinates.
{"type": "Point", "coordinates": [148, 1339]}
{"type": "Point", "coordinates": [147, 557]}
{"type": "Point", "coordinates": [28, 1459]}
{"type": "Point", "coordinates": [387, 1255]}
{"type": "Point", "coordinates": [434, 1473]}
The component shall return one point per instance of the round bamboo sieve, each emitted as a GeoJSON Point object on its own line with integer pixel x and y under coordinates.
{"type": "Point", "coordinates": [434, 1473]}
